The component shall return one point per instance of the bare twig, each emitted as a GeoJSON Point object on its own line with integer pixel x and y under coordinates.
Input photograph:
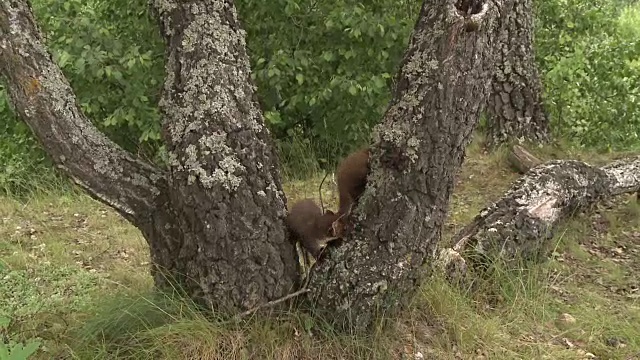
{"type": "Point", "coordinates": [320, 191]}
{"type": "Point", "coordinates": [274, 302]}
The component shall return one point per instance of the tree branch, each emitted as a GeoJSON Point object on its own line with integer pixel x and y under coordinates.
{"type": "Point", "coordinates": [44, 99]}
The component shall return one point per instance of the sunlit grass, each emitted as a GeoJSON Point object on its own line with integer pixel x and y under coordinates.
{"type": "Point", "coordinates": [75, 274]}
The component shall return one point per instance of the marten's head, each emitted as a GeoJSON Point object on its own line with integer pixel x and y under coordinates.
{"type": "Point", "coordinates": [329, 226]}
{"type": "Point", "coordinates": [325, 223]}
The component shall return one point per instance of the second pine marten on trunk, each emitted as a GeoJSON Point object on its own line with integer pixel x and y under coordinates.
{"type": "Point", "coordinates": [352, 179]}
{"type": "Point", "coordinates": [310, 226]}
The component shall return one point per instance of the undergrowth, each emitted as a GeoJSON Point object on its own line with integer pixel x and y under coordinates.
{"type": "Point", "coordinates": [75, 277]}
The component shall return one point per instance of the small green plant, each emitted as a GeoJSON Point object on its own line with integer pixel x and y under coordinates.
{"type": "Point", "coordinates": [13, 350]}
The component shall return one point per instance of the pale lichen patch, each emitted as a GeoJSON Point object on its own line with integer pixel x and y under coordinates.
{"type": "Point", "coordinates": [173, 160]}
{"type": "Point", "coordinates": [412, 150]}
{"type": "Point", "coordinates": [420, 67]}
{"type": "Point", "coordinates": [392, 134]}
{"type": "Point", "coordinates": [164, 6]}
{"type": "Point", "coordinates": [215, 142]}
{"type": "Point", "coordinates": [623, 175]}
{"type": "Point", "coordinates": [225, 172]}
{"type": "Point", "coordinates": [545, 209]}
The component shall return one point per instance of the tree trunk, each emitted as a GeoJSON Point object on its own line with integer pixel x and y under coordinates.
{"type": "Point", "coordinates": [226, 186]}
{"type": "Point", "coordinates": [418, 148]}
{"type": "Point", "coordinates": [521, 224]}
{"type": "Point", "coordinates": [215, 220]}
{"type": "Point", "coordinates": [515, 109]}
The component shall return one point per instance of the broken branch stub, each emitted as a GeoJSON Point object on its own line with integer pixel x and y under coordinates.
{"type": "Point", "coordinates": [522, 160]}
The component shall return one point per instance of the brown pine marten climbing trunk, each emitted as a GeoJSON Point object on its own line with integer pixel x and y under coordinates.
{"type": "Point", "coordinates": [417, 149]}
{"type": "Point", "coordinates": [515, 109]}
{"type": "Point", "coordinates": [310, 226]}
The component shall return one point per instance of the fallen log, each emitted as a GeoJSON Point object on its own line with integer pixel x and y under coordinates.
{"type": "Point", "coordinates": [521, 224]}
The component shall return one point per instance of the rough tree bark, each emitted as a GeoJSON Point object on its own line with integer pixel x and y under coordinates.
{"type": "Point", "coordinates": [521, 224]}
{"type": "Point", "coordinates": [226, 187]}
{"type": "Point", "coordinates": [515, 109]}
{"type": "Point", "coordinates": [419, 146]}
{"type": "Point", "coordinates": [214, 221]}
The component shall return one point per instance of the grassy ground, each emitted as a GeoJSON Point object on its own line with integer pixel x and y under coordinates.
{"type": "Point", "coordinates": [74, 274]}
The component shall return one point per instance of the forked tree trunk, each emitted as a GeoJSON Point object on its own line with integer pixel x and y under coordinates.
{"type": "Point", "coordinates": [515, 109]}
{"type": "Point", "coordinates": [418, 148]}
{"type": "Point", "coordinates": [215, 220]}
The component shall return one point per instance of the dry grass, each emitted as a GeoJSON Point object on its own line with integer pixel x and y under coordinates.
{"type": "Point", "coordinates": [74, 274]}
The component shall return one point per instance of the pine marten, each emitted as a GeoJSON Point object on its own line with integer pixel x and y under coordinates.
{"type": "Point", "coordinates": [310, 226]}
{"type": "Point", "coordinates": [352, 179]}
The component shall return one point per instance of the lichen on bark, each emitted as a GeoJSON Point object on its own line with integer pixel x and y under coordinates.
{"type": "Point", "coordinates": [521, 224]}
{"type": "Point", "coordinates": [226, 190]}
{"type": "Point", "coordinates": [417, 148]}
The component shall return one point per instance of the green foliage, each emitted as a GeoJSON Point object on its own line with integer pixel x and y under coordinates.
{"type": "Point", "coordinates": [324, 69]}
{"type": "Point", "coordinates": [20, 155]}
{"type": "Point", "coordinates": [588, 53]}
{"type": "Point", "coordinates": [13, 350]}
{"type": "Point", "coordinates": [112, 55]}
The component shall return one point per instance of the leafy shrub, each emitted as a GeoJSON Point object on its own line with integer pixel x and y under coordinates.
{"type": "Point", "coordinates": [324, 69]}
{"type": "Point", "coordinates": [112, 55]}
{"type": "Point", "coordinates": [588, 53]}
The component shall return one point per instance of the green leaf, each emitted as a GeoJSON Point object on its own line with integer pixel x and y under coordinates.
{"type": "Point", "coordinates": [273, 117]}
{"type": "Point", "coordinates": [300, 79]}
{"type": "Point", "coordinates": [63, 58]}
{"type": "Point", "coordinates": [328, 55]}
{"type": "Point", "coordinates": [80, 64]}
{"type": "Point", "coordinates": [378, 82]}
{"type": "Point", "coordinates": [22, 353]}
